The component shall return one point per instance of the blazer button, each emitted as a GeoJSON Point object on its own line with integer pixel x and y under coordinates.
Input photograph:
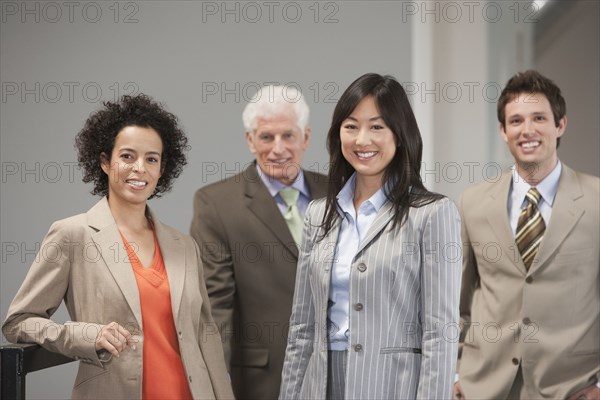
{"type": "Point", "coordinates": [529, 279]}
{"type": "Point", "coordinates": [190, 378]}
{"type": "Point", "coordinates": [515, 361]}
{"type": "Point", "coordinates": [358, 347]}
{"type": "Point", "coordinates": [361, 267]}
{"type": "Point", "coordinates": [358, 307]}
{"type": "Point", "coordinates": [526, 321]}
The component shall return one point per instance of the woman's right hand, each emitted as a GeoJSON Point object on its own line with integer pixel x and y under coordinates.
{"type": "Point", "coordinates": [114, 339]}
{"type": "Point", "coordinates": [457, 392]}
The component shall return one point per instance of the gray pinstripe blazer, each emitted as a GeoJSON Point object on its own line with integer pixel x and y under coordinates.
{"type": "Point", "coordinates": [403, 340]}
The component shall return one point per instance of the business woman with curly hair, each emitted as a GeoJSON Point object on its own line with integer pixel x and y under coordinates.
{"type": "Point", "coordinates": [134, 288]}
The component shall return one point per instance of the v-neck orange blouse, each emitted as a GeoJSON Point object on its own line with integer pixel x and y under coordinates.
{"type": "Point", "coordinates": [164, 376]}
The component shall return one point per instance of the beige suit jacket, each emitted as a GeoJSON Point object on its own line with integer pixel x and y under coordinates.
{"type": "Point", "coordinates": [249, 257]}
{"type": "Point", "coordinates": [545, 320]}
{"type": "Point", "coordinates": [82, 260]}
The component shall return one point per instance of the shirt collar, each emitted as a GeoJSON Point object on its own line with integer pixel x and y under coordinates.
{"type": "Point", "coordinates": [547, 187]}
{"type": "Point", "coordinates": [274, 186]}
{"type": "Point", "coordinates": [346, 198]}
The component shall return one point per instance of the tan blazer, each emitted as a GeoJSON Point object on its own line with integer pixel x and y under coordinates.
{"type": "Point", "coordinates": [249, 257]}
{"type": "Point", "coordinates": [545, 320]}
{"type": "Point", "coordinates": [82, 260]}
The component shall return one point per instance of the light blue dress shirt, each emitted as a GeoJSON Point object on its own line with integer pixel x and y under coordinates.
{"type": "Point", "coordinates": [547, 188]}
{"type": "Point", "coordinates": [354, 227]}
{"type": "Point", "coordinates": [274, 186]}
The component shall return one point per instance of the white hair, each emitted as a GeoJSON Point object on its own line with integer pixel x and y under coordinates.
{"type": "Point", "coordinates": [275, 100]}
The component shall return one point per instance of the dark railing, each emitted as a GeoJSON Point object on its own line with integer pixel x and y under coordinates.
{"type": "Point", "coordinates": [17, 360]}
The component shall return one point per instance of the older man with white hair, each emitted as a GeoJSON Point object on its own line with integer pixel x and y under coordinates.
{"type": "Point", "coordinates": [248, 228]}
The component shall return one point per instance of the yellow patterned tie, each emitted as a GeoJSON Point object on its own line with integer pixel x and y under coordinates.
{"type": "Point", "coordinates": [530, 228]}
{"type": "Point", "coordinates": [292, 216]}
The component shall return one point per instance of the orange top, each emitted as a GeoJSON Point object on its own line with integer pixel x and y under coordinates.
{"type": "Point", "coordinates": [164, 376]}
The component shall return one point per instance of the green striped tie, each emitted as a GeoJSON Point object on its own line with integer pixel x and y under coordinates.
{"type": "Point", "coordinates": [292, 216]}
{"type": "Point", "coordinates": [530, 228]}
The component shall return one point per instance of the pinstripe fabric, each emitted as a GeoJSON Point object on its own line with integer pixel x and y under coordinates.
{"type": "Point", "coordinates": [407, 280]}
{"type": "Point", "coordinates": [336, 374]}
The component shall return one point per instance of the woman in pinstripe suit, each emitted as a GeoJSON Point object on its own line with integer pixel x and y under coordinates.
{"type": "Point", "coordinates": [375, 312]}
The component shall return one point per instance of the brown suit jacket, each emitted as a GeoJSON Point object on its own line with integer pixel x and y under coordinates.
{"type": "Point", "coordinates": [545, 320]}
{"type": "Point", "coordinates": [82, 260]}
{"type": "Point", "coordinates": [250, 260]}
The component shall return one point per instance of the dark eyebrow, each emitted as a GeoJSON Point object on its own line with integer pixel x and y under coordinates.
{"type": "Point", "coordinates": [370, 119]}
{"type": "Point", "coordinates": [133, 151]}
{"type": "Point", "coordinates": [533, 113]}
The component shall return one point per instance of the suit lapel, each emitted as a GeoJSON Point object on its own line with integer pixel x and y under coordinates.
{"type": "Point", "coordinates": [172, 249]}
{"type": "Point", "coordinates": [261, 203]}
{"type": "Point", "coordinates": [326, 256]}
{"type": "Point", "coordinates": [328, 246]}
{"type": "Point", "coordinates": [565, 214]}
{"type": "Point", "coordinates": [112, 251]}
{"type": "Point", "coordinates": [384, 216]}
{"type": "Point", "coordinates": [497, 216]}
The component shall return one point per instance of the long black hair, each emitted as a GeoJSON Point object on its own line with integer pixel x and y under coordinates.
{"type": "Point", "coordinates": [403, 185]}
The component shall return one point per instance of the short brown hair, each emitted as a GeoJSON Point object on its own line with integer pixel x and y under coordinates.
{"type": "Point", "coordinates": [532, 81]}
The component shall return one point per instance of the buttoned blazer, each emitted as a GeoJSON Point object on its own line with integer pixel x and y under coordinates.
{"type": "Point", "coordinates": [546, 319]}
{"type": "Point", "coordinates": [83, 261]}
{"type": "Point", "coordinates": [250, 259]}
{"type": "Point", "coordinates": [404, 292]}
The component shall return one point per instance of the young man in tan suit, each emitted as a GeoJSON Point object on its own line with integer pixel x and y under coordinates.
{"type": "Point", "coordinates": [248, 237]}
{"type": "Point", "coordinates": [530, 300]}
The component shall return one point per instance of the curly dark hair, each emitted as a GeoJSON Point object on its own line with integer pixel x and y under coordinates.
{"type": "Point", "coordinates": [102, 127]}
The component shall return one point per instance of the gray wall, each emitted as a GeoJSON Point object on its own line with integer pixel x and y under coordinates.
{"type": "Point", "coordinates": [204, 59]}
{"type": "Point", "coordinates": [180, 53]}
{"type": "Point", "coordinates": [568, 49]}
